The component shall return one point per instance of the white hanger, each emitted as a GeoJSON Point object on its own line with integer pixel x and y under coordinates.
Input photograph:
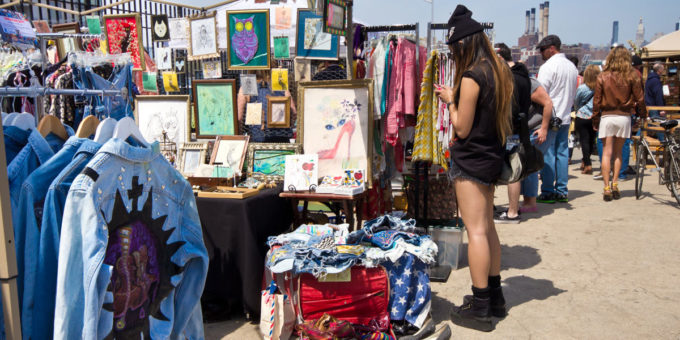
{"type": "Point", "coordinates": [126, 127]}
{"type": "Point", "coordinates": [24, 121]}
{"type": "Point", "coordinates": [105, 130]}
{"type": "Point", "coordinates": [4, 115]}
{"type": "Point", "coordinates": [10, 118]}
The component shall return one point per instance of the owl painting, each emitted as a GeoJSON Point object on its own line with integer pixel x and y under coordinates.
{"type": "Point", "coordinates": [244, 41]}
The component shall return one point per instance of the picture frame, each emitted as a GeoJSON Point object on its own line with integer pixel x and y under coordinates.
{"type": "Point", "coordinates": [267, 161]}
{"type": "Point", "coordinates": [328, 111]}
{"type": "Point", "coordinates": [335, 17]}
{"type": "Point", "coordinates": [163, 58]}
{"type": "Point", "coordinates": [278, 109]}
{"type": "Point", "coordinates": [212, 69]}
{"type": "Point", "coordinates": [179, 65]}
{"type": "Point", "coordinates": [244, 26]}
{"type": "Point", "coordinates": [191, 156]}
{"type": "Point", "coordinates": [160, 28]}
{"type": "Point", "coordinates": [170, 113]}
{"type": "Point", "coordinates": [66, 45]}
{"type": "Point", "coordinates": [311, 42]}
{"type": "Point", "coordinates": [41, 26]}
{"type": "Point", "coordinates": [203, 37]}
{"type": "Point", "coordinates": [124, 35]}
{"type": "Point", "coordinates": [230, 151]}
{"type": "Point", "coordinates": [215, 108]}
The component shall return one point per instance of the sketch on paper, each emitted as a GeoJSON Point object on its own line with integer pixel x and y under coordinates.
{"type": "Point", "coordinates": [160, 31]}
{"type": "Point", "coordinates": [230, 153]}
{"type": "Point", "coordinates": [283, 18]}
{"type": "Point", "coordinates": [278, 113]}
{"type": "Point", "coordinates": [163, 58]}
{"type": "Point", "coordinates": [303, 69]}
{"type": "Point", "coordinates": [254, 114]}
{"type": "Point", "coordinates": [301, 172]}
{"type": "Point", "coordinates": [215, 109]}
{"type": "Point", "coordinates": [270, 162]}
{"type": "Point", "coordinates": [315, 38]}
{"type": "Point", "coordinates": [203, 36]}
{"type": "Point", "coordinates": [249, 85]}
{"type": "Point", "coordinates": [163, 115]}
{"type": "Point", "coordinates": [178, 28]}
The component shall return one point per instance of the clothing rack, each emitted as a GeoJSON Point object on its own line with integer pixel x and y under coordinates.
{"type": "Point", "coordinates": [43, 37]}
{"type": "Point", "coordinates": [46, 91]}
{"type": "Point", "coordinates": [398, 28]}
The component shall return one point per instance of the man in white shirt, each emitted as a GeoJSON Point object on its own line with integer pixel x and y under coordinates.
{"type": "Point", "coordinates": [558, 77]}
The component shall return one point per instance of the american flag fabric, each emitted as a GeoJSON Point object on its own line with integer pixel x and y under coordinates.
{"type": "Point", "coordinates": [410, 294]}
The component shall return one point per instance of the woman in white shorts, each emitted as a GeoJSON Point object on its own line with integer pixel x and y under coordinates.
{"type": "Point", "coordinates": [618, 93]}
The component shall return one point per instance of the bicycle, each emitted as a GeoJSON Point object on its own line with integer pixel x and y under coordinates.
{"type": "Point", "coordinates": [670, 176]}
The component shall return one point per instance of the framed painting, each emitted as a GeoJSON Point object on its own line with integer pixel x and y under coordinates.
{"type": "Point", "coordinates": [215, 108]}
{"type": "Point", "coordinates": [66, 45]}
{"type": "Point", "coordinates": [191, 156]}
{"type": "Point", "coordinates": [267, 161]}
{"type": "Point", "coordinates": [167, 114]}
{"type": "Point", "coordinates": [124, 35]}
{"type": "Point", "coordinates": [335, 17]}
{"type": "Point", "coordinates": [248, 35]}
{"type": "Point", "coordinates": [203, 37]}
{"type": "Point", "coordinates": [311, 41]}
{"type": "Point", "coordinates": [279, 112]}
{"type": "Point", "coordinates": [41, 26]}
{"type": "Point", "coordinates": [335, 121]}
{"type": "Point", "coordinates": [160, 28]}
{"type": "Point", "coordinates": [230, 152]}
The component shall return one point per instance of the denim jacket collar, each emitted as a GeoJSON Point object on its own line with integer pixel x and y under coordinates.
{"type": "Point", "coordinates": [18, 135]}
{"type": "Point", "coordinates": [124, 150]}
{"type": "Point", "coordinates": [40, 146]}
{"type": "Point", "coordinates": [88, 147]}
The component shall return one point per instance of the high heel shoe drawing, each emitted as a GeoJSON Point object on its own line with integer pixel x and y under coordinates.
{"type": "Point", "coordinates": [347, 128]}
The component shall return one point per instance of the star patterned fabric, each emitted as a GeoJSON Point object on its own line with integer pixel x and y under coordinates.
{"type": "Point", "coordinates": [410, 289]}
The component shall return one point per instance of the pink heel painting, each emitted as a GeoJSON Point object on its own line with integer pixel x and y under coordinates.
{"type": "Point", "coordinates": [347, 128]}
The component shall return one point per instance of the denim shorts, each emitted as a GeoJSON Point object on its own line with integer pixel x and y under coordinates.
{"type": "Point", "coordinates": [456, 172]}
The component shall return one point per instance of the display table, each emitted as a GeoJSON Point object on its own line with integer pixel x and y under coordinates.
{"type": "Point", "coordinates": [344, 203]}
{"type": "Point", "coordinates": [235, 233]}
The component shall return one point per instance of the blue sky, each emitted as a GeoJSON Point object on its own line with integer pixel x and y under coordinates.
{"type": "Point", "coordinates": [587, 21]}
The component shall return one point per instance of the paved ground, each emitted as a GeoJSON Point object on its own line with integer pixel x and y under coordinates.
{"type": "Point", "coordinates": [585, 269]}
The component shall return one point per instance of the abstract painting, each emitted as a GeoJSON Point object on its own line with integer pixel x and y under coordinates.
{"type": "Point", "coordinates": [279, 112]}
{"type": "Point", "coordinates": [301, 172]}
{"type": "Point", "coordinates": [335, 122]}
{"type": "Point", "coordinates": [230, 152]}
{"type": "Point", "coordinates": [215, 107]}
{"type": "Point", "coordinates": [156, 115]}
{"type": "Point", "coordinates": [203, 37]}
{"type": "Point", "coordinates": [159, 28]}
{"type": "Point", "coordinates": [163, 58]}
{"type": "Point", "coordinates": [248, 35]}
{"type": "Point", "coordinates": [311, 41]}
{"type": "Point", "coordinates": [212, 69]}
{"type": "Point", "coordinates": [124, 35]}
{"type": "Point", "coordinates": [267, 161]}
{"type": "Point", "coordinates": [334, 17]}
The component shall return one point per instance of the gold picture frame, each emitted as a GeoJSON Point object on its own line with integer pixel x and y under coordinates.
{"type": "Point", "coordinates": [258, 16]}
{"type": "Point", "coordinates": [198, 151]}
{"type": "Point", "coordinates": [66, 45]}
{"type": "Point", "coordinates": [114, 36]}
{"type": "Point", "coordinates": [199, 41]}
{"type": "Point", "coordinates": [275, 117]}
{"type": "Point", "coordinates": [267, 161]}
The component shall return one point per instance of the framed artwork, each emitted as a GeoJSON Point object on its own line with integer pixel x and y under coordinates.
{"type": "Point", "coordinates": [335, 121]}
{"type": "Point", "coordinates": [248, 35]}
{"type": "Point", "coordinates": [230, 152]}
{"type": "Point", "coordinates": [311, 41]}
{"type": "Point", "coordinates": [203, 37]}
{"type": "Point", "coordinates": [303, 69]}
{"type": "Point", "coordinates": [279, 112]}
{"type": "Point", "coordinates": [66, 45]}
{"type": "Point", "coordinates": [191, 156]}
{"type": "Point", "coordinates": [334, 17]}
{"type": "Point", "coordinates": [179, 32]}
{"type": "Point", "coordinates": [281, 48]}
{"type": "Point", "coordinates": [212, 69]}
{"type": "Point", "coordinates": [160, 28]}
{"type": "Point", "coordinates": [215, 108]}
{"type": "Point", "coordinates": [124, 35]}
{"type": "Point", "coordinates": [168, 113]}
{"type": "Point", "coordinates": [180, 62]}
{"type": "Point", "coordinates": [267, 161]}
{"type": "Point", "coordinates": [301, 172]}
{"type": "Point", "coordinates": [253, 114]}
{"type": "Point", "coordinates": [41, 26]}
{"type": "Point", "coordinates": [249, 85]}
{"type": "Point", "coordinates": [164, 58]}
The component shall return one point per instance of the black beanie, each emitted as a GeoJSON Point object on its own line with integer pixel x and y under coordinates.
{"type": "Point", "coordinates": [461, 24]}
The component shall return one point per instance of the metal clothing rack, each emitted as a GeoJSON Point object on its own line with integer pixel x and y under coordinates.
{"type": "Point", "coordinates": [43, 37]}
{"type": "Point", "coordinates": [397, 28]}
{"type": "Point", "coordinates": [46, 91]}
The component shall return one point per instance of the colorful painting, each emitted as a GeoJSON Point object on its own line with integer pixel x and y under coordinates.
{"type": "Point", "coordinates": [124, 34]}
{"type": "Point", "coordinates": [170, 82]}
{"type": "Point", "coordinates": [156, 115]}
{"type": "Point", "coordinates": [301, 172]}
{"type": "Point", "coordinates": [94, 24]}
{"type": "Point", "coordinates": [311, 41]}
{"type": "Point", "coordinates": [212, 69]}
{"type": "Point", "coordinates": [334, 17]}
{"type": "Point", "coordinates": [248, 34]}
{"type": "Point", "coordinates": [335, 122]}
{"type": "Point", "coordinates": [203, 38]}
{"type": "Point", "coordinates": [268, 161]}
{"type": "Point", "coordinates": [281, 48]}
{"type": "Point", "coordinates": [215, 107]}
{"type": "Point", "coordinates": [280, 79]}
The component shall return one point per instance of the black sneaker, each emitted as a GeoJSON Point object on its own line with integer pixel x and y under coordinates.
{"type": "Point", "coordinates": [546, 197]}
{"type": "Point", "coordinates": [497, 303]}
{"type": "Point", "coordinates": [562, 198]}
{"type": "Point", "coordinates": [503, 218]}
{"type": "Point", "coordinates": [474, 314]}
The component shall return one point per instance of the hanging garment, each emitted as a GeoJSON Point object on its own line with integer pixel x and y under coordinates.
{"type": "Point", "coordinates": [426, 146]}
{"type": "Point", "coordinates": [377, 72]}
{"type": "Point", "coordinates": [117, 106]}
{"type": "Point", "coordinates": [132, 262]}
{"type": "Point", "coordinates": [410, 296]}
{"type": "Point", "coordinates": [15, 140]}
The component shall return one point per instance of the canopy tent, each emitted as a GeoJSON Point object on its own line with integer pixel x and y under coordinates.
{"type": "Point", "coordinates": [668, 46]}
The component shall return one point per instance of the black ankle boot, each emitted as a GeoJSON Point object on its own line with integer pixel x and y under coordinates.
{"type": "Point", "coordinates": [475, 313]}
{"type": "Point", "coordinates": [496, 303]}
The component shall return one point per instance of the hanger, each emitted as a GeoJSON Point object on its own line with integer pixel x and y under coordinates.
{"type": "Point", "coordinates": [51, 124]}
{"type": "Point", "coordinates": [10, 118]}
{"type": "Point", "coordinates": [87, 127]}
{"type": "Point", "coordinates": [24, 121]}
{"type": "Point", "coordinates": [105, 130]}
{"type": "Point", "coordinates": [127, 128]}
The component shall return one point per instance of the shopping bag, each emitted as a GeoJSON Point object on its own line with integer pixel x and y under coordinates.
{"type": "Point", "coordinates": [277, 316]}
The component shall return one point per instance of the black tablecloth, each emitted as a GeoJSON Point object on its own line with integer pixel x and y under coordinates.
{"type": "Point", "coordinates": [235, 233]}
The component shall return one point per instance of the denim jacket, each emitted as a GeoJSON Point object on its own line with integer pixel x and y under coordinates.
{"type": "Point", "coordinates": [132, 261]}
{"type": "Point", "coordinates": [50, 228]}
{"type": "Point", "coordinates": [15, 140]}
{"type": "Point", "coordinates": [27, 229]}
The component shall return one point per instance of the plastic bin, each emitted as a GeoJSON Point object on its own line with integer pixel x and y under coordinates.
{"type": "Point", "coordinates": [449, 238]}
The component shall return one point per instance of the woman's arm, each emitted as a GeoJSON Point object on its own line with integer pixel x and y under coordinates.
{"type": "Point", "coordinates": [461, 116]}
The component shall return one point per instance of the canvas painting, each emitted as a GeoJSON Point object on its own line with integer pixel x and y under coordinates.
{"type": "Point", "coordinates": [248, 35]}
{"type": "Point", "coordinates": [203, 38]}
{"type": "Point", "coordinates": [163, 58]}
{"type": "Point", "coordinates": [212, 69]}
{"type": "Point", "coordinates": [301, 172]}
{"type": "Point", "coordinates": [335, 123]}
{"type": "Point", "coordinates": [280, 79]}
{"type": "Point", "coordinates": [124, 35]}
{"type": "Point", "coordinates": [159, 28]}
{"type": "Point", "coordinates": [268, 161]}
{"type": "Point", "coordinates": [254, 114]}
{"type": "Point", "coordinates": [163, 114]}
{"type": "Point", "coordinates": [178, 30]}
{"type": "Point", "coordinates": [311, 41]}
{"type": "Point", "coordinates": [215, 107]}
{"type": "Point", "coordinates": [230, 152]}
{"type": "Point", "coordinates": [249, 85]}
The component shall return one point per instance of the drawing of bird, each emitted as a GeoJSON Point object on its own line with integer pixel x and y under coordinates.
{"type": "Point", "coordinates": [244, 40]}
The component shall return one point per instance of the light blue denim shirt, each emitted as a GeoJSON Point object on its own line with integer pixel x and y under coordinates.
{"type": "Point", "coordinates": [27, 229]}
{"type": "Point", "coordinates": [50, 229]}
{"type": "Point", "coordinates": [583, 102]}
{"type": "Point", "coordinates": [132, 261]}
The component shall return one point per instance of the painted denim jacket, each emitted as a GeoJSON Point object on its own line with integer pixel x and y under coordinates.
{"type": "Point", "coordinates": [132, 262]}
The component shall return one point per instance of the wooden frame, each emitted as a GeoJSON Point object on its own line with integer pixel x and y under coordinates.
{"type": "Point", "coordinates": [285, 149]}
{"type": "Point", "coordinates": [230, 61]}
{"type": "Point", "coordinates": [70, 27]}
{"type": "Point", "coordinates": [316, 143]}
{"type": "Point", "coordinates": [196, 87]}
{"type": "Point", "coordinates": [185, 137]}
{"type": "Point", "coordinates": [329, 17]}
{"type": "Point", "coordinates": [202, 147]}
{"type": "Point", "coordinates": [41, 26]}
{"type": "Point", "coordinates": [137, 58]}
{"type": "Point", "coordinates": [304, 53]}
{"type": "Point", "coordinates": [286, 115]}
{"type": "Point", "coordinates": [190, 48]}
{"type": "Point", "coordinates": [222, 140]}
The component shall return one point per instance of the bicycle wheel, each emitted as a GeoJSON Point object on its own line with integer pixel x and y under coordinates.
{"type": "Point", "coordinates": [674, 176]}
{"type": "Point", "coordinates": [640, 165]}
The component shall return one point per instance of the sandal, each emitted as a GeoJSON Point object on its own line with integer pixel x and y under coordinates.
{"type": "Point", "coordinates": [607, 195]}
{"type": "Point", "coordinates": [616, 194]}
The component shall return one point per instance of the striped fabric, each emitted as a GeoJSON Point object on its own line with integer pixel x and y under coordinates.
{"type": "Point", "coordinates": [426, 146]}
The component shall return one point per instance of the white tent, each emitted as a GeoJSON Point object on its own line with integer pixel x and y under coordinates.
{"type": "Point", "coordinates": [666, 46]}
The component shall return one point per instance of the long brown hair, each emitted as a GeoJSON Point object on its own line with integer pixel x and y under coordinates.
{"type": "Point", "coordinates": [619, 62]}
{"type": "Point", "coordinates": [470, 51]}
{"type": "Point", "coordinates": [590, 76]}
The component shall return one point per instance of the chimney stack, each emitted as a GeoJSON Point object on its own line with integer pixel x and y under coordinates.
{"type": "Point", "coordinates": [540, 22]}
{"type": "Point", "coordinates": [526, 25]}
{"type": "Point", "coordinates": [546, 19]}
{"type": "Point", "coordinates": [532, 23]}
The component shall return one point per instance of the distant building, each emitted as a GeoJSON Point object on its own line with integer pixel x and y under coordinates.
{"type": "Point", "coordinates": [656, 36]}
{"type": "Point", "coordinates": [640, 34]}
{"type": "Point", "coordinates": [615, 33]}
